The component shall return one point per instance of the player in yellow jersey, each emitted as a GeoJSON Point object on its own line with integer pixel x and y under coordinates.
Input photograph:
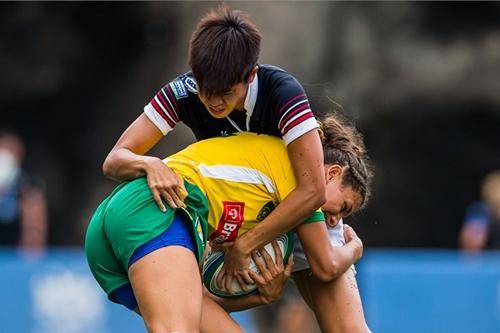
{"type": "Point", "coordinates": [148, 260]}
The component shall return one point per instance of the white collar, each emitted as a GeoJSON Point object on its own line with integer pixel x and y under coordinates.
{"type": "Point", "coordinates": [251, 98]}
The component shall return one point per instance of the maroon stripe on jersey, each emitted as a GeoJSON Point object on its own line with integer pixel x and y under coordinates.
{"type": "Point", "coordinates": [297, 121]}
{"type": "Point", "coordinates": [171, 97]}
{"type": "Point", "coordinates": [290, 101]}
{"type": "Point", "coordinates": [166, 104]}
{"type": "Point", "coordinates": [162, 114]}
{"type": "Point", "coordinates": [292, 114]}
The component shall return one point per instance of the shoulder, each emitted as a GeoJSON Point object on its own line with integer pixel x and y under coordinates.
{"type": "Point", "coordinates": [184, 86]}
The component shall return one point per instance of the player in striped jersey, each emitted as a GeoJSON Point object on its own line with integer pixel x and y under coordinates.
{"type": "Point", "coordinates": [227, 91]}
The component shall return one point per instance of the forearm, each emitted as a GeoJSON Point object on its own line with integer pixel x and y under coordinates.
{"type": "Point", "coordinates": [297, 206]}
{"type": "Point", "coordinates": [327, 262]}
{"type": "Point", "coordinates": [122, 164]}
{"type": "Point", "coordinates": [345, 256]}
{"type": "Point", "coordinates": [237, 304]}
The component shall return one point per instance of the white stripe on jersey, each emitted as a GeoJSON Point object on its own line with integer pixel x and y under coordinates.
{"type": "Point", "coordinates": [290, 108]}
{"type": "Point", "coordinates": [169, 102]}
{"type": "Point", "coordinates": [300, 129]}
{"type": "Point", "coordinates": [237, 174]}
{"type": "Point", "coordinates": [155, 117]}
{"type": "Point", "coordinates": [164, 110]}
{"type": "Point", "coordinates": [300, 114]}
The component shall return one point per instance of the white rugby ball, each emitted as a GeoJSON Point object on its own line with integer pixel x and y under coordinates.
{"type": "Point", "coordinates": [215, 259]}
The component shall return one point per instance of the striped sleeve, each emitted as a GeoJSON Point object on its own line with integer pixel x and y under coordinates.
{"type": "Point", "coordinates": [163, 109]}
{"type": "Point", "coordinates": [296, 118]}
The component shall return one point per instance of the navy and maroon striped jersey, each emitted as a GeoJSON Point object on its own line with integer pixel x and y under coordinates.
{"type": "Point", "coordinates": [276, 104]}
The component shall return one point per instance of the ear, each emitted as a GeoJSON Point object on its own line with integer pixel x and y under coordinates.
{"type": "Point", "coordinates": [252, 74]}
{"type": "Point", "coordinates": [334, 172]}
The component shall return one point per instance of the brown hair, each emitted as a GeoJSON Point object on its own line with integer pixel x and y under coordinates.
{"type": "Point", "coordinates": [223, 50]}
{"type": "Point", "coordinates": [343, 145]}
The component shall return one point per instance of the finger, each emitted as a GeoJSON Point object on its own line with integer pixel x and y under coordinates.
{"type": "Point", "coordinates": [278, 253]}
{"type": "Point", "coordinates": [271, 266]}
{"type": "Point", "coordinates": [228, 283]}
{"type": "Point", "coordinates": [258, 279]}
{"type": "Point", "coordinates": [168, 198]}
{"type": "Point", "coordinates": [242, 283]}
{"type": "Point", "coordinates": [220, 277]}
{"type": "Point", "coordinates": [221, 246]}
{"type": "Point", "coordinates": [246, 277]}
{"type": "Point", "coordinates": [157, 198]}
{"type": "Point", "coordinates": [289, 266]}
{"type": "Point", "coordinates": [259, 262]}
{"type": "Point", "coordinates": [177, 198]}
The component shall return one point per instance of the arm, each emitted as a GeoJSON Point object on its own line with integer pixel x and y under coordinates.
{"type": "Point", "coordinates": [306, 156]}
{"type": "Point", "coordinates": [328, 262]}
{"type": "Point", "coordinates": [33, 219]}
{"type": "Point", "coordinates": [126, 161]}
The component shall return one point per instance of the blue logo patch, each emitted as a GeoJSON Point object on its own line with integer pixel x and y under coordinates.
{"type": "Point", "coordinates": [191, 84]}
{"type": "Point", "coordinates": [178, 89]}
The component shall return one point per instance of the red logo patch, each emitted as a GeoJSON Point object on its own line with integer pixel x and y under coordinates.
{"type": "Point", "coordinates": [229, 223]}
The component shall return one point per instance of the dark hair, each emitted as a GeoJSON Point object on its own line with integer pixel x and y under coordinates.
{"type": "Point", "coordinates": [343, 145]}
{"type": "Point", "coordinates": [223, 50]}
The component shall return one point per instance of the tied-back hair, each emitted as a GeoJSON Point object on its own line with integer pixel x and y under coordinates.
{"type": "Point", "coordinates": [344, 145]}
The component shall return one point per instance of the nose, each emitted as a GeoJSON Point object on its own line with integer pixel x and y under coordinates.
{"type": "Point", "coordinates": [332, 220]}
{"type": "Point", "coordinates": [215, 102]}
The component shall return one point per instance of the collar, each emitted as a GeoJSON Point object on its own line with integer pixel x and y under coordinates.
{"type": "Point", "coordinates": [251, 98]}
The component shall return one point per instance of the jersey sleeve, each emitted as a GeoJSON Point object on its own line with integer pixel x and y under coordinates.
{"type": "Point", "coordinates": [164, 109]}
{"type": "Point", "coordinates": [295, 115]}
{"type": "Point", "coordinates": [477, 213]}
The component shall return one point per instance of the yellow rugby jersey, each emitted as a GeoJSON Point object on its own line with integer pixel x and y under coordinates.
{"type": "Point", "coordinates": [244, 176]}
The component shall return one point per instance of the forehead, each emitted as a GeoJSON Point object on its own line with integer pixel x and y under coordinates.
{"type": "Point", "coordinates": [352, 197]}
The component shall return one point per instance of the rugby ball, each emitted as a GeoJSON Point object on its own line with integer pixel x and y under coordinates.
{"type": "Point", "coordinates": [215, 259]}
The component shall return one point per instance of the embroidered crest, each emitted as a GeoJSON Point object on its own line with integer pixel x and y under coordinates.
{"type": "Point", "coordinates": [266, 209]}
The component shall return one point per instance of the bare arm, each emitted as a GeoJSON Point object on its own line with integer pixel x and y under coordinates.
{"type": "Point", "coordinates": [127, 161]}
{"type": "Point", "coordinates": [306, 157]}
{"type": "Point", "coordinates": [33, 219]}
{"type": "Point", "coordinates": [328, 262]}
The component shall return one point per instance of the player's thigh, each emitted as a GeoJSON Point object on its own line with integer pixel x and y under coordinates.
{"type": "Point", "coordinates": [167, 286]}
{"type": "Point", "coordinates": [214, 319]}
{"type": "Point", "coordinates": [337, 304]}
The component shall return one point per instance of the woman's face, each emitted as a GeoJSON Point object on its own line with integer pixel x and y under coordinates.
{"type": "Point", "coordinates": [222, 106]}
{"type": "Point", "coordinates": [340, 200]}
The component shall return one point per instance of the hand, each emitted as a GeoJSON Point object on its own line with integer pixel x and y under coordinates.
{"type": "Point", "coordinates": [272, 275]}
{"type": "Point", "coordinates": [164, 184]}
{"type": "Point", "coordinates": [235, 267]}
{"type": "Point", "coordinates": [351, 236]}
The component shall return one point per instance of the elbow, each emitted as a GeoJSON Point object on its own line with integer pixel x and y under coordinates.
{"type": "Point", "coordinates": [327, 272]}
{"type": "Point", "coordinates": [107, 167]}
{"type": "Point", "coordinates": [315, 196]}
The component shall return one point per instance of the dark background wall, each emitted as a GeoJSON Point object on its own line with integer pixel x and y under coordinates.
{"type": "Point", "coordinates": [419, 79]}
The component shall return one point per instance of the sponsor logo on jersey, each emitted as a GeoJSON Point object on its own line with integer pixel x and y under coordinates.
{"type": "Point", "coordinates": [178, 89]}
{"type": "Point", "coordinates": [191, 84]}
{"type": "Point", "coordinates": [229, 223]}
{"type": "Point", "coordinates": [266, 209]}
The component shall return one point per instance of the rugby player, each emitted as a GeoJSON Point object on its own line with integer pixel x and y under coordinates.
{"type": "Point", "coordinates": [228, 91]}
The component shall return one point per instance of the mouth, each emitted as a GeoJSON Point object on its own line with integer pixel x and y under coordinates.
{"type": "Point", "coordinates": [216, 111]}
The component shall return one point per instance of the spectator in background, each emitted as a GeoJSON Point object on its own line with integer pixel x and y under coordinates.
{"type": "Point", "coordinates": [23, 208]}
{"type": "Point", "coordinates": [481, 228]}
